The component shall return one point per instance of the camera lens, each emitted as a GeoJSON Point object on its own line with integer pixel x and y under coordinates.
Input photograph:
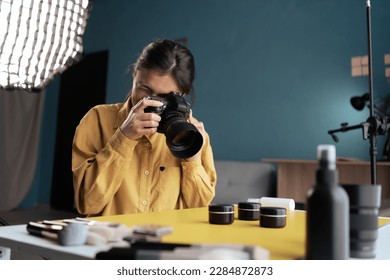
{"type": "Point", "coordinates": [183, 138]}
{"type": "Point", "coordinates": [364, 204]}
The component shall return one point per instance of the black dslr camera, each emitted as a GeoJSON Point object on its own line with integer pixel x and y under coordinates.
{"type": "Point", "coordinates": [183, 138]}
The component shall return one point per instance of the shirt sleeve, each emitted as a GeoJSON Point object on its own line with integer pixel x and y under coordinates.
{"type": "Point", "coordinates": [97, 165]}
{"type": "Point", "coordinates": [199, 179]}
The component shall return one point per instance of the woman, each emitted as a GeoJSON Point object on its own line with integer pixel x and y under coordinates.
{"type": "Point", "coordinates": [121, 164]}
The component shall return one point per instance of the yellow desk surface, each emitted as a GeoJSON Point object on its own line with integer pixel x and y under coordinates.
{"type": "Point", "coordinates": [192, 226]}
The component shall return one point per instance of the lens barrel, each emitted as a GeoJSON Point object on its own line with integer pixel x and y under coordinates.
{"type": "Point", "coordinates": [182, 138]}
{"type": "Point", "coordinates": [364, 203]}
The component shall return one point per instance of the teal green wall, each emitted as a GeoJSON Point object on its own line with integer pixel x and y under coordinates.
{"type": "Point", "coordinates": [272, 76]}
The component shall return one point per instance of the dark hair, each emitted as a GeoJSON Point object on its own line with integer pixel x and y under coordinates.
{"type": "Point", "coordinates": [169, 57]}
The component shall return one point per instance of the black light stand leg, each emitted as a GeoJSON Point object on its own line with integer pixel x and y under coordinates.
{"type": "Point", "coordinates": [386, 150]}
{"type": "Point", "coordinates": [373, 134]}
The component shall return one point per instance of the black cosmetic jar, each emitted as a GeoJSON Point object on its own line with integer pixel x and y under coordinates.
{"type": "Point", "coordinates": [221, 214]}
{"type": "Point", "coordinates": [273, 217]}
{"type": "Point", "coordinates": [248, 211]}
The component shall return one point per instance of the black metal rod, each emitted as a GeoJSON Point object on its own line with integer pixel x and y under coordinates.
{"type": "Point", "coordinates": [345, 128]}
{"type": "Point", "coordinates": [373, 144]}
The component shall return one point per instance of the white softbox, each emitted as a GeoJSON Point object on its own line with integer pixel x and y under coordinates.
{"type": "Point", "coordinates": [39, 39]}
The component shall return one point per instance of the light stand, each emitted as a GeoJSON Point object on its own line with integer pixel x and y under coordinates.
{"type": "Point", "coordinates": [375, 125]}
{"type": "Point", "coordinates": [372, 130]}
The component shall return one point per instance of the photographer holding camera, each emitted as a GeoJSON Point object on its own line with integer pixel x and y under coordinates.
{"type": "Point", "coordinates": [148, 153]}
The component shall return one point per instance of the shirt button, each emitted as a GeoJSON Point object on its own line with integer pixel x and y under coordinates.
{"type": "Point", "coordinates": [146, 172]}
{"type": "Point", "coordinates": [147, 145]}
{"type": "Point", "coordinates": [144, 202]}
{"type": "Point", "coordinates": [184, 167]}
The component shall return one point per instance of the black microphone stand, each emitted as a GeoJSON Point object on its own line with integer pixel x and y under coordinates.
{"type": "Point", "coordinates": [375, 124]}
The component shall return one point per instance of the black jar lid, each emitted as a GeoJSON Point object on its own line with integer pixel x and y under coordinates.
{"type": "Point", "coordinates": [249, 205]}
{"type": "Point", "coordinates": [228, 208]}
{"type": "Point", "coordinates": [274, 211]}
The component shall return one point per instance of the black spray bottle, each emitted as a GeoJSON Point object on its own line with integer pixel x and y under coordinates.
{"type": "Point", "coordinates": [327, 223]}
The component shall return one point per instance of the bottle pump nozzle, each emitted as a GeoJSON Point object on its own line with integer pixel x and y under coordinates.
{"type": "Point", "coordinates": [326, 155]}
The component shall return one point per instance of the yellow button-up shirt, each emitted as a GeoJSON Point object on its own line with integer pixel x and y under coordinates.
{"type": "Point", "coordinates": [116, 175]}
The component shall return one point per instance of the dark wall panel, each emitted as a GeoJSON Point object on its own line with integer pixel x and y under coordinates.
{"type": "Point", "coordinates": [82, 87]}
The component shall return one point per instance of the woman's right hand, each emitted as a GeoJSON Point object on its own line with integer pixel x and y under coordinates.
{"type": "Point", "coordinates": [138, 123]}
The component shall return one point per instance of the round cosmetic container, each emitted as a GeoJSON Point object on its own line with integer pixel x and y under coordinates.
{"type": "Point", "coordinates": [248, 211]}
{"type": "Point", "coordinates": [221, 214]}
{"type": "Point", "coordinates": [272, 217]}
